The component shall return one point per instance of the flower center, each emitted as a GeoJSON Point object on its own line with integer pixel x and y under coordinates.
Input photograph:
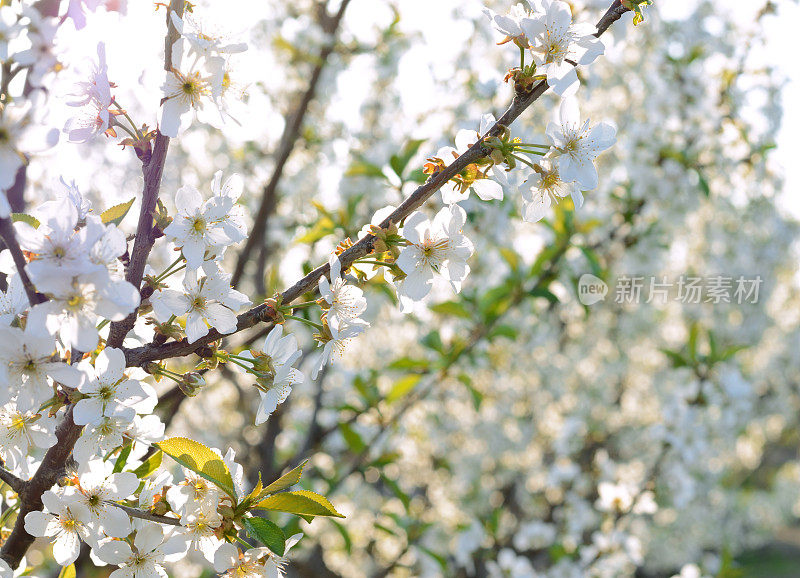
{"type": "Point", "coordinates": [199, 225]}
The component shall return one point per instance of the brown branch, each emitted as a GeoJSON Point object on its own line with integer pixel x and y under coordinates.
{"type": "Point", "coordinates": [138, 356]}
{"type": "Point", "coordinates": [152, 169]}
{"type": "Point", "coordinates": [13, 481]}
{"type": "Point", "coordinates": [10, 240]}
{"type": "Point", "coordinates": [291, 134]}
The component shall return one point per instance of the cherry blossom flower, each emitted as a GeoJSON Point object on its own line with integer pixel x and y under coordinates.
{"type": "Point", "coordinates": [578, 145]}
{"type": "Point", "coordinates": [98, 486]}
{"type": "Point", "coordinates": [60, 251]}
{"type": "Point", "coordinates": [252, 563]}
{"type": "Point", "coordinates": [202, 43]}
{"type": "Point", "coordinates": [546, 187]}
{"type": "Point", "coordinates": [273, 367]}
{"type": "Point", "coordinates": [64, 522]}
{"type": "Point", "coordinates": [107, 390]}
{"type": "Point", "coordinates": [194, 496]}
{"type": "Point", "coordinates": [555, 39]}
{"type": "Point", "coordinates": [345, 302]}
{"type": "Point", "coordinates": [13, 301]}
{"type": "Point", "coordinates": [205, 301]}
{"type": "Point", "coordinates": [20, 432]}
{"type": "Point", "coordinates": [9, 29]}
{"type": "Point", "coordinates": [509, 24]}
{"type": "Point", "coordinates": [93, 99]}
{"type": "Point", "coordinates": [487, 183]}
{"type": "Point", "coordinates": [27, 365]}
{"type": "Point", "coordinates": [199, 531]}
{"type": "Point", "coordinates": [202, 227]}
{"type": "Point", "coordinates": [74, 308]}
{"type": "Point", "coordinates": [437, 247]}
{"type": "Point", "coordinates": [334, 344]}
{"type": "Point", "coordinates": [146, 558]}
{"type": "Point", "coordinates": [103, 437]}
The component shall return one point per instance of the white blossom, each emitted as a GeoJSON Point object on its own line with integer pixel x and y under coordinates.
{"type": "Point", "coordinates": [98, 486]}
{"type": "Point", "coordinates": [147, 560]}
{"type": "Point", "coordinates": [64, 522]}
{"type": "Point", "coordinates": [544, 187]}
{"type": "Point", "coordinates": [437, 247]}
{"type": "Point", "coordinates": [554, 39]}
{"type": "Point", "coordinates": [578, 145]}
{"type": "Point", "coordinates": [109, 392]}
{"type": "Point", "coordinates": [205, 301]}
{"type": "Point", "coordinates": [345, 302]}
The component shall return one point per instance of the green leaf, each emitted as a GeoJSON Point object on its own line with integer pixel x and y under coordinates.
{"type": "Point", "coordinates": [546, 293]}
{"type": "Point", "coordinates": [301, 502]}
{"type": "Point", "coordinates": [150, 465]}
{"type": "Point", "coordinates": [286, 480]}
{"type": "Point", "coordinates": [403, 387]}
{"type": "Point", "coordinates": [201, 460]}
{"type": "Point", "coordinates": [399, 162]}
{"type": "Point", "coordinates": [433, 341]}
{"type": "Point", "coordinates": [25, 218]}
{"type": "Point", "coordinates": [267, 533]}
{"type": "Point", "coordinates": [409, 364]}
{"type": "Point", "coordinates": [511, 257]}
{"type": "Point", "coordinates": [122, 458]}
{"type": "Point", "coordinates": [354, 441]}
{"type": "Point", "coordinates": [503, 331]}
{"type": "Point", "coordinates": [453, 308]}
{"type": "Point", "coordinates": [115, 214]}
{"type": "Point", "coordinates": [68, 572]}
{"type": "Point", "coordinates": [676, 358]}
{"type": "Point", "coordinates": [362, 168]}
{"type": "Point", "coordinates": [477, 396]}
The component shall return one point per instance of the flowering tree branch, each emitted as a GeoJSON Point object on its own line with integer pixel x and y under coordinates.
{"type": "Point", "coordinates": [142, 515]}
{"type": "Point", "coordinates": [139, 356]}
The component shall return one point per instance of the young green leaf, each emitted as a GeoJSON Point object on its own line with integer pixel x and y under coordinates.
{"type": "Point", "coordinates": [267, 533]}
{"type": "Point", "coordinates": [150, 465]}
{"type": "Point", "coordinates": [25, 218]}
{"type": "Point", "coordinates": [301, 502]}
{"type": "Point", "coordinates": [286, 480]}
{"type": "Point", "coordinates": [115, 214]}
{"type": "Point", "coordinates": [201, 460]}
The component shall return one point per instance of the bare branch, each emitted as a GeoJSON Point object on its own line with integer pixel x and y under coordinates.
{"type": "Point", "coordinates": [289, 138]}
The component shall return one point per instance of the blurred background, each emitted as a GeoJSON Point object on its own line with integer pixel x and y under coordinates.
{"type": "Point", "coordinates": [510, 430]}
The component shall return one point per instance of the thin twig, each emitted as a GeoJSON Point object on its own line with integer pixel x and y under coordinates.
{"type": "Point", "coordinates": [152, 169]}
{"type": "Point", "coordinates": [141, 514]}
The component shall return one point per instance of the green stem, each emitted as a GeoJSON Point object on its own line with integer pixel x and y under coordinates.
{"type": "Point", "coordinates": [521, 58]}
{"type": "Point", "coordinates": [169, 271]}
{"type": "Point", "coordinates": [299, 305]}
{"type": "Point", "coordinates": [372, 262]}
{"type": "Point", "coordinates": [522, 160]}
{"type": "Point", "coordinates": [138, 134]}
{"type": "Point", "coordinates": [306, 321]}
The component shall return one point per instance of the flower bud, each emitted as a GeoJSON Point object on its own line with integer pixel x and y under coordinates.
{"type": "Point", "coordinates": [191, 383]}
